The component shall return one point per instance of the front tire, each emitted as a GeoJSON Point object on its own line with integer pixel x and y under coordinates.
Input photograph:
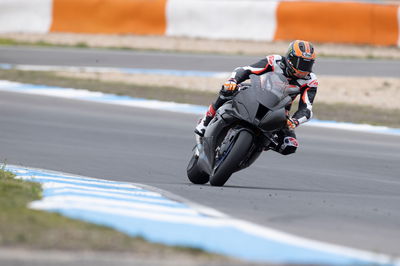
{"type": "Point", "coordinates": [194, 173]}
{"type": "Point", "coordinates": [232, 160]}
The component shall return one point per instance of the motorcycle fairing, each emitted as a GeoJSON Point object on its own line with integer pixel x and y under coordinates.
{"type": "Point", "coordinates": [263, 104]}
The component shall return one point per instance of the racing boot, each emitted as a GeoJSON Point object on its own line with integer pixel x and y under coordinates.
{"type": "Point", "coordinates": [286, 142]}
{"type": "Point", "coordinates": [203, 123]}
{"type": "Point", "coordinates": [288, 146]}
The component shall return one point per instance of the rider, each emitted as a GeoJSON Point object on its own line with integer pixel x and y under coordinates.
{"type": "Point", "coordinates": [296, 66]}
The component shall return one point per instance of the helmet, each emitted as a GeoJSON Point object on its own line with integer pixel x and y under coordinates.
{"type": "Point", "coordinates": [300, 58]}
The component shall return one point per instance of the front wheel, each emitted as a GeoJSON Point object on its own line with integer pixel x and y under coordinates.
{"type": "Point", "coordinates": [231, 163]}
{"type": "Point", "coordinates": [194, 173]}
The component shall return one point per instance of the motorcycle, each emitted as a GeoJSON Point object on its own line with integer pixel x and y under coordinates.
{"type": "Point", "coordinates": [241, 129]}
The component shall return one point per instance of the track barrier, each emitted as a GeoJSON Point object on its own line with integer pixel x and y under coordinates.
{"type": "Point", "coordinates": [264, 20]}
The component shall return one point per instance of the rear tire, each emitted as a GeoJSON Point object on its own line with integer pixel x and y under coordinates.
{"type": "Point", "coordinates": [194, 173]}
{"type": "Point", "coordinates": [231, 162]}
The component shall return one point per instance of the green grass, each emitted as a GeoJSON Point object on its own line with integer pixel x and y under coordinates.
{"type": "Point", "coordinates": [338, 112]}
{"type": "Point", "coordinates": [23, 227]}
{"type": "Point", "coordinates": [26, 228]}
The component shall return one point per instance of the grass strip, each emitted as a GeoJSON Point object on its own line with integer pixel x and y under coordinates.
{"type": "Point", "coordinates": [338, 112]}
{"type": "Point", "coordinates": [26, 228]}
{"type": "Point", "coordinates": [358, 114]}
{"type": "Point", "coordinates": [15, 42]}
{"type": "Point", "coordinates": [84, 45]}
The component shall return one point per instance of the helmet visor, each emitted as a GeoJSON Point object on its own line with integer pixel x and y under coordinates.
{"type": "Point", "coordinates": [302, 64]}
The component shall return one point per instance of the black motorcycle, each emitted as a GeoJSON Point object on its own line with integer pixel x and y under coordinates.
{"type": "Point", "coordinates": [242, 128]}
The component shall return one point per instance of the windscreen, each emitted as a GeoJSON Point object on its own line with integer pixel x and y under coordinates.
{"type": "Point", "coordinates": [271, 88]}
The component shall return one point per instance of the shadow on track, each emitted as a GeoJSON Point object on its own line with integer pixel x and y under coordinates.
{"type": "Point", "coordinates": [272, 188]}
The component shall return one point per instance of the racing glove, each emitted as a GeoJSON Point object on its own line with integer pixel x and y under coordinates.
{"type": "Point", "coordinates": [230, 85]}
{"type": "Point", "coordinates": [292, 123]}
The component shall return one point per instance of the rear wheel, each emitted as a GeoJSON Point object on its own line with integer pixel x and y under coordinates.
{"type": "Point", "coordinates": [232, 160]}
{"type": "Point", "coordinates": [194, 173]}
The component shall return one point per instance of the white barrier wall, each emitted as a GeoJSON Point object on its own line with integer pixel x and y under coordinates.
{"type": "Point", "coordinates": [25, 15]}
{"type": "Point", "coordinates": [223, 19]}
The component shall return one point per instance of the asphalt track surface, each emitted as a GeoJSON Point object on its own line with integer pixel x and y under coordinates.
{"type": "Point", "coordinates": [181, 61]}
{"type": "Point", "coordinates": [341, 187]}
